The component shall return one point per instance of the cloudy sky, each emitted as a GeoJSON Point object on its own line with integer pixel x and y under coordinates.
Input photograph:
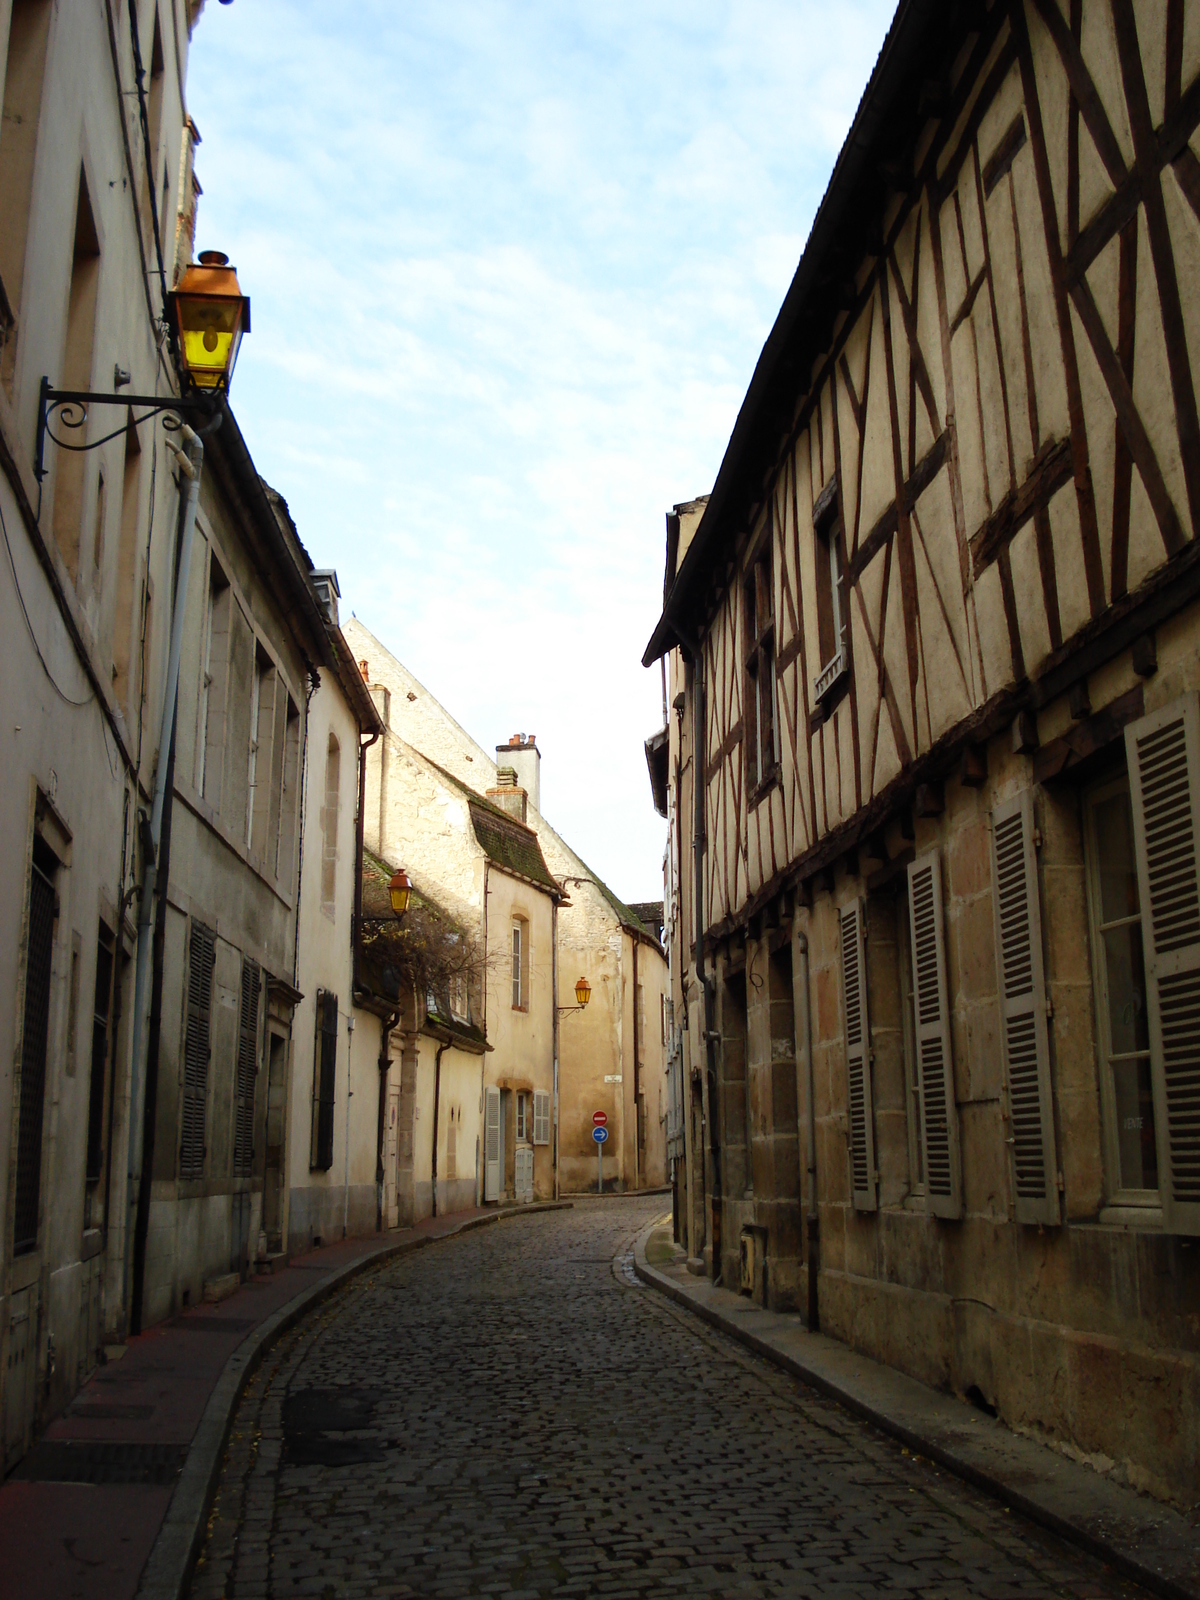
{"type": "Point", "coordinates": [511, 266]}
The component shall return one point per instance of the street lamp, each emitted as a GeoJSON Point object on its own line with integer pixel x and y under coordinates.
{"type": "Point", "coordinates": [583, 993]}
{"type": "Point", "coordinates": [210, 314]}
{"type": "Point", "coordinates": [399, 892]}
{"type": "Point", "coordinates": [207, 314]}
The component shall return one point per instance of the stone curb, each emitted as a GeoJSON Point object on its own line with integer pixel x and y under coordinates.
{"type": "Point", "coordinates": [1065, 1496]}
{"type": "Point", "coordinates": [173, 1554]}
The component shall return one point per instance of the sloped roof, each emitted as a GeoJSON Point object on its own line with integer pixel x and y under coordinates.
{"type": "Point", "coordinates": [512, 845]}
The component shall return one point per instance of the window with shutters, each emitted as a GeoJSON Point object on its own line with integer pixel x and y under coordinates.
{"type": "Point", "coordinates": [324, 1081]}
{"type": "Point", "coordinates": [197, 1051]}
{"type": "Point", "coordinates": [833, 615]}
{"type": "Point", "coordinates": [759, 709]}
{"type": "Point", "coordinates": [1122, 1014]}
{"type": "Point", "coordinates": [861, 1107]}
{"type": "Point", "coordinates": [493, 1144]}
{"type": "Point", "coordinates": [931, 1028]}
{"type": "Point", "coordinates": [541, 1116]}
{"type": "Point", "coordinates": [329, 826]}
{"type": "Point", "coordinates": [1163, 753]}
{"type": "Point", "coordinates": [35, 1038]}
{"type": "Point", "coordinates": [24, 76]}
{"type": "Point", "coordinates": [520, 964]}
{"type": "Point", "coordinates": [247, 1069]}
{"type": "Point", "coordinates": [522, 1115]}
{"type": "Point", "coordinates": [101, 1010]}
{"type": "Point", "coordinates": [214, 683]}
{"type": "Point", "coordinates": [1025, 1037]}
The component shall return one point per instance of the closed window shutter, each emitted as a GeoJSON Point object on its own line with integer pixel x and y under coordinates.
{"type": "Point", "coordinates": [858, 1058]}
{"type": "Point", "coordinates": [1164, 780]}
{"type": "Point", "coordinates": [939, 1117]}
{"type": "Point", "coordinates": [247, 1069]}
{"type": "Point", "coordinates": [197, 1049]}
{"type": "Point", "coordinates": [491, 1144]}
{"type": "Point", "coordinates": [1023, 1012]}
{"type": "Point", "coordinates": [541, 1116]}
{"type": "Point", "coordinates": [324, 1080]}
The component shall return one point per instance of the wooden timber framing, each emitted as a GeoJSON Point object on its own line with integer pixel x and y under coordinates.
{"type": "Point", "coordinates": [985, 359]}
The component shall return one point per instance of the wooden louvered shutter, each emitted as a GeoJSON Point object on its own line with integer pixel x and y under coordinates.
{"type": "Point", "coordinates": [1022, 983]}
{"type": "Point", "coordinates": [939, 1116]}
{"type": "Point", "coordinates": [247, 1069]}
{"type": "Point", "coordinates": [858, 1058]}
{"type": "Point", "coordinates": [324, 1081]}
{"type": "Point", "coordinates": [491, 1144]}
{"type": "Point", "coordinates": [197, 1049]}
{"type": "Point", "coordinates": [1164, 780]}
{"type": "Point", "coordinates": [541, 1116]}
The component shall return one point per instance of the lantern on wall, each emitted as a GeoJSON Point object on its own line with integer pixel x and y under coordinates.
{"type": "Point", "coordinates": [210, 314]}
{"type": "Point", "coordinates": [400, 891]}
{"type": "Point", "coordinates": [583, 991]}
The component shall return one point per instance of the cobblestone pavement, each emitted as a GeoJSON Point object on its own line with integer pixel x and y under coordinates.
{"type": "Point", "coordinates": [512, 1414]}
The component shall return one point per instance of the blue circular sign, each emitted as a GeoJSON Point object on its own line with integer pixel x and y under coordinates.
{"type": "Point", "coordinates": [600, 1135]}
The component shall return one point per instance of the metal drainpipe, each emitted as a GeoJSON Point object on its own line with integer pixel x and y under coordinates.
{"type": "Point", "coordinates": [191, 463]}
{"type": "Point", "coordinates": [437, 1099]}
{"type": "Point", "coordinates": [707, 982]}
{"type": "Point", "coordinates": [637, 1076]}
{"type": "Point", "coordinates": [814, 1220]}
{"type": "Point", "coordinates": [385, 1031]}
{"type": "Point", "coordinates": [349, 1097]}
{"type": "Point", "coordinates": [554, 1002]}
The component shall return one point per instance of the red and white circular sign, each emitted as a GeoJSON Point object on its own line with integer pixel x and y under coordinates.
{"type": "Point", "coordinates": [599, 1119]}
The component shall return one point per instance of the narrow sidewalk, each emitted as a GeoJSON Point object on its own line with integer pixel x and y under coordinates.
{"type": "Point", "coordinates": [1132, 1533]}
{"type": "Point", "coordinates": [109, 1500]}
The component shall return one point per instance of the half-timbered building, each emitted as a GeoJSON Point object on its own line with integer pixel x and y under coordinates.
{"type": "Point", "coordinates": [933, 764]}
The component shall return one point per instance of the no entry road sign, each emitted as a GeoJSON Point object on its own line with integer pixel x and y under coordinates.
{"type": "Point", "coordinates": [600, 1118]}
{"type": "Point", "coordinates": [600, 1135]}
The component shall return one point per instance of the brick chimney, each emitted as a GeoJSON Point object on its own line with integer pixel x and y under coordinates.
{"type": "Point", "coordinates": [508, 794]}
{"type": "Point", "coordinates": [523, 756]}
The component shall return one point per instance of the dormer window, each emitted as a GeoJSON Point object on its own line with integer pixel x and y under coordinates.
{"type": "Point", "coordinates": [833, 615]}
{"type": "Point", "coordinates": [761, 759]}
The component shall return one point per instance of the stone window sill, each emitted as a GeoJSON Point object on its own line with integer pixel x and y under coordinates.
{"type": "Point", "coordinates": [1126, 1216]}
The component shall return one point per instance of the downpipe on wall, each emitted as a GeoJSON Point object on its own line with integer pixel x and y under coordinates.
{"type": "Point", "coordinates": [814, 1220]}
{"type": "Point", "coordinates": [191, 464]}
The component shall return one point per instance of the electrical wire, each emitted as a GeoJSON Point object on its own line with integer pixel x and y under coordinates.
{"type": "Point", "coordinates": [61, 693]}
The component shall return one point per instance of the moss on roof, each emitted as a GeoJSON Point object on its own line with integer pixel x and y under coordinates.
{"type": "Point", "coordinates": [512, 845]}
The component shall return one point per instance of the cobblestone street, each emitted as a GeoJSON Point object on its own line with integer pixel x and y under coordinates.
{"type": "Point", "coordinates": [511, 1413]}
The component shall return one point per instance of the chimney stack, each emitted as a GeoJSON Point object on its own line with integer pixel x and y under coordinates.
{"type": "Point", "coordinates": [523, 756]}
{"type": "Point", "coordinates": [508, 794]}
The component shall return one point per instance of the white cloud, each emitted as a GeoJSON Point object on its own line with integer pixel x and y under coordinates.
{"type": "Point", "coordinates": [512, 266]}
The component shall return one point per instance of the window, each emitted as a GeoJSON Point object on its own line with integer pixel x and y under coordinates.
{"type": "Point", "coordinates": [760, 674]}
{"type": "Point", "coordinates": [522, 1115]}
{"type": "Point", "coordinates": [154, 102]}
{"type": "Point", "coordinates": [71, 469]}
{"type": "Point", "coordinates": [541, 1116]}
{"type": "Point", "coordinates": [833, 616]}
{"type": "Point", "coordinates": [520, 964]}
{"type": "Point", "coordinates": [324, 1082]}
{"type": "Point", "coordinates": [214, 681]}
{"type": "Point", "coordinates": [285, 839]}
{"type": "Point", "coordinates": [98, 520]}
{"type": "Point", "coordinates": [262, 742]}
{"type": "Point", "coordinates": [247, 1069]}
{"type": "Point", "coordinates": [25, 71]}
{"type": "Point", "coordinates": [197, 1049]}
{"type": "Point", "coordinates": [1122, 1016]}
{"type": "Point", "coordinates": [329, 826]}
{"type": "Point", "coordinates": [35, 1033]}
{"type": "Point", "coordinates": [127, 560]}
{"type": "Point", "coordinates": [101, 1009]}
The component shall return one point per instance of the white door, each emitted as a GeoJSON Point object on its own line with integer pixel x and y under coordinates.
{"type": "Point", "coordinates": [493, 1150]}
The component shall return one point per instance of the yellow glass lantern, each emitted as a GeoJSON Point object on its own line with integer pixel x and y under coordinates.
{"type": "Point", "coordinates": [583, 991]}
{"type": "Point", "coordinates": [399, 891]}
{"type": "Point", "coordinates": [210, 314]}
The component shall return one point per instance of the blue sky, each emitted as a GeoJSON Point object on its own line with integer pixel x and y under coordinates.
{"type": "Point", "coordinates": [511, 266]}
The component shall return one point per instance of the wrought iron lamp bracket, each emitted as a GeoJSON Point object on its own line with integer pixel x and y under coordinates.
{"type": "Point", "coordinates": [69, 408]}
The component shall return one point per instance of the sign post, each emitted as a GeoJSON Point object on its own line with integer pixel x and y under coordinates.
{"type": "Point", "coordinates": [600, 1135]}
